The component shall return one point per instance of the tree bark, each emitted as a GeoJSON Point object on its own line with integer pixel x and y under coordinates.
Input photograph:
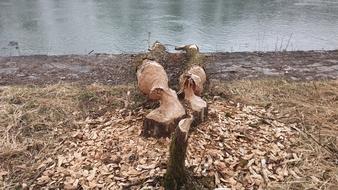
{"type": "Point", "coordinates": [176, 175]}
{"type": "Point", "coordinates": [193, 56]}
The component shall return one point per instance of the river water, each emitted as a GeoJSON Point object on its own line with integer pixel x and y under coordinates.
{"type": "Point", "coordinates": [120, 26]}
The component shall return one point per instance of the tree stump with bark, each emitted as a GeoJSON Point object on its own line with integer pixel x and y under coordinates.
{"type": "Point", "coordinates": [192, 83]}
{"type": "Point", "coordinates": [157, 53]}
{"type": "Point", "coordinates": [193, 55]}
{"type": "Point", "coordinates": [176, 175]}
{"type": "Point", "coordinates": [153, 82]}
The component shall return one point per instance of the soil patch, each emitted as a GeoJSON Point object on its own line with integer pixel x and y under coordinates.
{"type": "Point", "coordinates": [119, 69]}
{"type": "Point", "coordinates": [270, 134]}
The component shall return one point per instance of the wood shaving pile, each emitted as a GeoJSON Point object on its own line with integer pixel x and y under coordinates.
{"type": "Point", "coordinates": [239, 147]}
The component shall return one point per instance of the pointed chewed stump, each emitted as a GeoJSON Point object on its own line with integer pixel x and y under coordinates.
{"type": "Point", "coordinates": [153, 82]}
{"type": "Point", "coordinates": [176, 175]}
{"type": "Point", "coordinates": [191, 89]}
{"type": "Point", "coordinates": [192, 83]}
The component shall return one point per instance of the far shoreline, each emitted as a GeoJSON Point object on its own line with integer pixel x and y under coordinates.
{"type": "Point", "coordinates": [115, 69]}
{"type": "Point", "coordinates": [93, 53]}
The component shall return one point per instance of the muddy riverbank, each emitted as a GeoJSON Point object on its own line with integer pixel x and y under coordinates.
{"type": "Point", "coordinates": [118, 69]}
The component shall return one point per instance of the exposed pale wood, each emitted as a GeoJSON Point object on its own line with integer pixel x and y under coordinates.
{"type": "Point", "coordinates": [152, 79]}
{"type": "Point", "coordinates": [198, 106]}
{"type": "Point", "coordinates": [192, 50]}
{"type": "Point", "coordinates": [192, 83]}
{"type": "Point", "coordinates": [193, 56]}
{"type": "Point", "coordinates": [153, 82]}
{"type": "Point", "coordinates": [197, 75]}
{"type": "Point", "coordinates": [162, 121]}
{"type": "Point", "coordinates": [176, 175]}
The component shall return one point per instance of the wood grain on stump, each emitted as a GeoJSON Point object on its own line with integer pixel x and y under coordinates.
{"type": "Point", "coordinates": [192, 83]}
{"type": "Point", "coordinates": [153, 82]}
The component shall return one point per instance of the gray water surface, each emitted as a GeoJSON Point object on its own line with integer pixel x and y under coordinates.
{"type": "Point", "coordinates": [118, 26]}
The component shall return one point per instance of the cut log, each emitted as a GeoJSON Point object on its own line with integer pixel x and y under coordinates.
{"type": "Point", "coordinates": [192, 49]}
{"type": "Point", "coordinates": [176, 175]}
{"type": "Point", "coordinates": [193, 55]}
{"type": "Point", "coordinates": [157, 47]}
{"type": "Point", "coordinates": [192, 83]}
{"type": "Point", "coordinates": [157, 52]}
{"type": "Point", "coordinates": [153, 82]}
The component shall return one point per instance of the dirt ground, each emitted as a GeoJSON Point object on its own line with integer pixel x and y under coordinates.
{"type": "Point", "coordinates": [261, 134]}
{"type": "Point", "coordinates": [118, 69]}
{"type": "Point", "coordinates": [79, 126]}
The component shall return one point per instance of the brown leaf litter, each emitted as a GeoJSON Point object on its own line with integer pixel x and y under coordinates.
{"type": "Point", "coordinates": [239, 147]}
{"type": "Point", "coordinates": [41, 127]}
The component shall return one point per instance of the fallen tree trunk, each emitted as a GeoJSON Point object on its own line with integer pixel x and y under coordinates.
{"type": "Point", "coordinates": [192, 83]}
{"type": "Point", "coordinates": [153, 82]}
{"type": "Point", "coordinates": [176, 175]}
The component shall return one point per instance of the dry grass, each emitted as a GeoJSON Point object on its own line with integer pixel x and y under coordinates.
{"type": "Point", "coordinates": [313, 109]}
{"type": "Point", "coordinates": [33, 120]}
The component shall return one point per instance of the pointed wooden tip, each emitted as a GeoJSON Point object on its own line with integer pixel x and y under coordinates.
{"type": "Point", "coordinates": [179, 47]}
{"type": "Point", "coordinates": [187, 47]}
{"type": "Point", "coordinates": [185, 124]}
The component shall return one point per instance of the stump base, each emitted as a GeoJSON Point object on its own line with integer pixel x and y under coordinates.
{"type": "Point", "coordinates": [176, 175]}
{"type": "Point", "coordinates": [158, 129]}
{"type": "Point", "coordinates": [199, 116]}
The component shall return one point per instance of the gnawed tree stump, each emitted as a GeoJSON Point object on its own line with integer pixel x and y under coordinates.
{"type": "Point", "coordinates": [157, 53]}
{"type": "Point", "coordinates": [193, 55]}
{"type": "Point", "coordinates": [192, 83]}
{"type": "Point", "coordinates": [169, 61]}
{"type": "Point", "coordinates": [196, 104]}
{"type": "Point", "coordinates": [153, 82]}
{"type": "Point", "coordinates": [176, 175]}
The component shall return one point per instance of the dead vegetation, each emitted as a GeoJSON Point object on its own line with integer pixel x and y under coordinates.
{"type": "Point", "coordinates": [312, 107]}
{"type": "Point", "coordinates": [33, 119]}
{"type": "Point", "coordinates": [261, 133]}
